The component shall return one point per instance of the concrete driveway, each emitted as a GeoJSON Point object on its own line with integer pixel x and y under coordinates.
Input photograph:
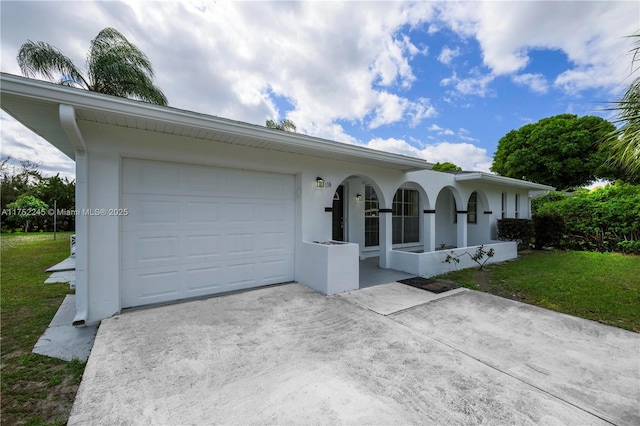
{"type": "Point", "coordinates": [389, 354]}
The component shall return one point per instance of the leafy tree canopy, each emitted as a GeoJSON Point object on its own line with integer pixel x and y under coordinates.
{"type": "Point", "coordinates": [446, 167]}
{"type": "Point", "coordinates": [562, 151]}
{"type": "Point", "coordinates": [114, 66]}
{"type": "Point", "coordinates": [26, 208]}
{"type": "Point", "coordinates": [284, 124]}
{"type": "Point", "coordinates": [26, 179]}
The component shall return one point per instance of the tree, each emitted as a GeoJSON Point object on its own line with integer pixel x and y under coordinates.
{"type": "Point", "coordinates": [25, 209]}
{"type": "Point", "coordinates": [562, 151]}
{"type": "Point", "coordinates": [446, 167]}
{"type": "Point", "coordinates": [26, 179]}
{"type": "Point", "coordinates": [285, 124]}
{"type": "Point", "coordinates": [15, 182]}
{"type": "Point", "coordinates": [61, 193]}
{"type": "Point", "coordinates": [114, 66]}
{"type": "Point", "coordinates": [623, 143]}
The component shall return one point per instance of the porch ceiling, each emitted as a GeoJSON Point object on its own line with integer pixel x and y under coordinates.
{"type": "Point", "coordinates": [36, 105]}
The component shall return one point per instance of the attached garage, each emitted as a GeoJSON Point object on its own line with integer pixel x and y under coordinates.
{"type": "Point", "coordinates": [194, 230]}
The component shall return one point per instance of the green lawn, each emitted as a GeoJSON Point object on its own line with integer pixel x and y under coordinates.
{"type": "Point", "coordinates": [603, 287]}
{"type": "Point", "coordinates": [35, 389]}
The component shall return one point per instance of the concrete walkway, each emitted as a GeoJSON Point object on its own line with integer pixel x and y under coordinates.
{"type": "Point", "coordinates": [288, 355]}
{"type": "Point", "coordinates": [64, 341]}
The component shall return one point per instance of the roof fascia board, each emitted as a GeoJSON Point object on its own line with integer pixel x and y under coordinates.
{"type": "Point", "coordinates": [81, 99]}
{"type": "Point", "coordinates": [479, 176]}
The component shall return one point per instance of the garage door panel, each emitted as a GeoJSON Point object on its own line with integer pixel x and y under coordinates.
{"type": "Point", "coordinates": [278, 242]}
{"type": "Point", "coordinates": [205, 246]}
{"type": "Point", "coordinates": [144, 249]}
{"type": "Point", "coordinates": [274, 271]}
{"type": "Point", "coordinates": [155, 177]}
{"type": "Point", "coordinates": [206, 280]}
{"type": "Point", "coordinates": [201, 212]}
{"type": "Point", "coordinates": [198, 230]}
{"type": "Point", "coordinates": [151, 287]}
{"type": "Point", "coordinates": [240, 214]}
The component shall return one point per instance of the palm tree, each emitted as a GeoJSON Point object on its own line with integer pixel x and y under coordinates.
{"type": "Point", "coordinates": [285, 124]}
{"type": "Point", "coordinates": [624, 142]}
{"type": "Point", "coordinates": [114, 67]}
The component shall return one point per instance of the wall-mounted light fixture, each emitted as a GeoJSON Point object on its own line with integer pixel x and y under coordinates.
{"type": "Point", "coordinates": [319, 182]}
{"type": "Point", "coordinates": [358, 197]}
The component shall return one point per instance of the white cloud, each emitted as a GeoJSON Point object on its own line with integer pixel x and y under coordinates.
{"type": "Point", "coordinates": [447, 54]}
{"type": "Point", "coordinates": [465, 155]}
{"type": "Point", "coordinates": [591, 34]}
{"type": "Point", "coordinates": [536, 82]}
{"type": "Point", "coordinates": [333, 61]}
{"type": "Point", "coordinates": [477, 84]}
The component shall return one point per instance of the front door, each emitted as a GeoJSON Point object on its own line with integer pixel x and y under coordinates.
{"type": "Point", "coordinates": [338, 215]}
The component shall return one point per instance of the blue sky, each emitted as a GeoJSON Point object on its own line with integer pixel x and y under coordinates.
{"type": "Point", "coordinates": [440, 81]}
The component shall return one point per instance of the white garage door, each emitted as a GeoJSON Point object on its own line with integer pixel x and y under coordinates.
{"type": "Point", "coordinates": [193, 231]}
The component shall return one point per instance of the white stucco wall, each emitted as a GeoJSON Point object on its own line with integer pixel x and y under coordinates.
{"type": "Point", "coordinates": [433, 263]}
{"type": "Point", "coordinates": [108, 145]}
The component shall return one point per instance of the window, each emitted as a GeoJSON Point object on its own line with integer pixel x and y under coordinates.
{"type": "Point", "coordinates": [517, 206]}
{"type": "Point", "coordinates": [371, 217]}
{"type": "Point", "coordinates": [406, 219]}
{"type": "Point", "coordinates": [504, 205]}
{"type": "Point", "coordinates": [472, 209]}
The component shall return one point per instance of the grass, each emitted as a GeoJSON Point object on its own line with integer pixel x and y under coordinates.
{"type": "Point", "coordinates": [603, 287]}
{"type": "Point", "coordinates": [36, 390]}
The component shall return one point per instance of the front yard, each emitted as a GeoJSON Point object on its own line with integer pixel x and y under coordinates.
{"type": "Point", "coordinates": [603, 287]}
{"type": "Point", "coordinates": [36, 390]}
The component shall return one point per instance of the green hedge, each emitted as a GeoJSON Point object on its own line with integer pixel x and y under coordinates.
{"type": "Point", "coordinates": [550, 230]}
{"type": "Point", "coordinates": [604, 219]}
{"type": "Point", "coordinates": [519, 230]}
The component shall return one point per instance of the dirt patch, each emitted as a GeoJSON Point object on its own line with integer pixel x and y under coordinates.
{"type": "Point", "coordinates": [483, 279]}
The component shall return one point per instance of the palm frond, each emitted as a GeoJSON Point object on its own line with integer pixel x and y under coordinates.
{"type": "Point", "coordinates": [114, 66]}
{"type": "Point", "coordinates": [119, 68]}
{"type": "Point", "coordinates": [623, 144]}
{"type": "Point", "coordinates": [40, 58]}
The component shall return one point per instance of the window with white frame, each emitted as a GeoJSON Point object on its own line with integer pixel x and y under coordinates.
{"type": "Point", "coordinates": [517, 206]}
{"type": "Point", "coordinates": [405, 216]}
{"type": "Point", "coordinates": [371, 217]}
{"type": "Point", "coordinates": [472, 208]}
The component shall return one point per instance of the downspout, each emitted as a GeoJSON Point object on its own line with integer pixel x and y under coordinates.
{"type": "Point", "coordinates": [70, 126]}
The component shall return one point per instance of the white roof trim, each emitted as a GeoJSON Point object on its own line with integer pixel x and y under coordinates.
{"type": "Point", "coordinates": [28, 90]}
{"type": "Point", "coordinates": [501, 180]}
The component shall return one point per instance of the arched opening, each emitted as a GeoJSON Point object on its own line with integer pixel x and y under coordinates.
{"type": "Point", "coordinates": [446, 218]}
{"type": "Point", "coordinates": [355, 208]}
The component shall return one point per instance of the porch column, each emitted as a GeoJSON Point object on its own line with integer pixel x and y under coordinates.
{"type": "Point", "coordinates": [429, 231]}
{"type": "Point", "coordinates": [462, 228]}
{"type": "Point", "coordinates": [386, 238]}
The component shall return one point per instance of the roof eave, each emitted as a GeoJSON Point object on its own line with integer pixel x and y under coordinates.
{"type": "Point", "coordinates": [80, 99]}
{"type": "Point", "coordinates": [507, 181]}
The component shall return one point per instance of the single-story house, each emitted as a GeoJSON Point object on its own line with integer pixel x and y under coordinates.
{"type": "Point", "coordinates": [174, 204]}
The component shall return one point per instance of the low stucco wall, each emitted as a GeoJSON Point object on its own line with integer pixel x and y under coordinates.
{"type": "Point", "coordinates": [433, 263]}
{"type": "Point", "coordinates": [330, 268]}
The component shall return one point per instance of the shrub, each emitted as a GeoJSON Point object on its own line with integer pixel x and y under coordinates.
{"type": "Point", "coordinates": [550, 230]}
{"type": "Point", "coordinates": [520, 230]}
{"type": "Point", "coordinates": [604, 219]}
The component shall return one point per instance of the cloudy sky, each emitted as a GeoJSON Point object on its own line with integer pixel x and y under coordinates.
{"type": "Point", "coordinates": [440, 81]}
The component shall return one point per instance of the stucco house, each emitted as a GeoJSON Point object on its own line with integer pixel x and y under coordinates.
{"type": "Point", "coordinates": [173, 204]}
